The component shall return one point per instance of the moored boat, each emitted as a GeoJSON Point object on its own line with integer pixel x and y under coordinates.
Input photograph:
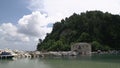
{"type": "Point", "coordinates": [6, 55]}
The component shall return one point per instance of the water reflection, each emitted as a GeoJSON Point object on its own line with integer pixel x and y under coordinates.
{"type": "Point", "coordinates": [6, 61]}
{"type": "Point", "coordinates": [83, 62]}
{"type": "Point", "coordinates": [95, 61]}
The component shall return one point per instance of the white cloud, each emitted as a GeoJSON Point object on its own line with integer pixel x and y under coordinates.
{"type": "Point", "coordinates": [9, 32]}
{"type": "Point", "coordinates": [8, 29]}
{"type": "Point", "coordinates": [10, 38]}
{"type": "Point", "coordinates": [34, 25]}
{"type": "Point", "coordinates": [68, 7]}
{"type": "Point", "coordinates": [27, 31]}
{"type": "Point", "coordinates": [36, 5]}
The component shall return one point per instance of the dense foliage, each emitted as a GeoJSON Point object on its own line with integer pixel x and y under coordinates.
{"type": "Point", "coordinates": [100, 29]}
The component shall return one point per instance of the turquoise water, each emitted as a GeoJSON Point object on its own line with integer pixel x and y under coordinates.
{"type": "Point", "coordinates": [96, 61]}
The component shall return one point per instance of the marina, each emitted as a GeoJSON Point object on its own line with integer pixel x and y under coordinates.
{"type": "Point", "coordinates": [10, 54]}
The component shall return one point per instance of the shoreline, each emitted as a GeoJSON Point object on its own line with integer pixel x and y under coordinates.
{"type": "Point", "coordinates": [37, 54]}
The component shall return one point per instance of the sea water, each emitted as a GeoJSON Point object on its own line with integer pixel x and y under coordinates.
{"type": "Point", "coordinates": [95, 61]}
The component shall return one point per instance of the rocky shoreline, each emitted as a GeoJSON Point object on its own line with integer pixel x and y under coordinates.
{"type": "Point", "coordinates": [37, 54]}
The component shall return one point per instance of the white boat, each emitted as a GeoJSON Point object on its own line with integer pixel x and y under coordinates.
{"type": "Point", "coordinates": [6, 55]}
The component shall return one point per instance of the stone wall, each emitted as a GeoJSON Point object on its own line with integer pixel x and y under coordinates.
{"type": "Point", "coordinates": [81, 48]}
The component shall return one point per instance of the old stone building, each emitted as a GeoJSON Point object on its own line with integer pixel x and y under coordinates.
{"type": "Point", "coordinates": [81, 48]}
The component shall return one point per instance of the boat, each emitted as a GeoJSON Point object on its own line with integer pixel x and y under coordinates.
{"type": "Point", "coordinates": [6, 55]}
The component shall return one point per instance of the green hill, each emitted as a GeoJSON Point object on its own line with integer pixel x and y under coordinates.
{"type": "Point", "coordinates": [100, 29]}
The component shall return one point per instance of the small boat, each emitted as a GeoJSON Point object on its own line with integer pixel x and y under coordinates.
{"type": "Point", "coordinates": [6, 55]}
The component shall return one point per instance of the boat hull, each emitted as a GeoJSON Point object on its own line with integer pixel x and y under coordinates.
{"type": "Point", "coordinates": [6, 56]}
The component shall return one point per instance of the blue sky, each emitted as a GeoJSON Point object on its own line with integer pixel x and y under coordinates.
{"type": "Point", "coordinates": [23, 22]}
{"type": "Point", "coordinates": [12, 10]}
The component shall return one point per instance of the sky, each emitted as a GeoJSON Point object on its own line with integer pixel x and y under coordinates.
{"type": "Point", "coordinates": [23, 22]}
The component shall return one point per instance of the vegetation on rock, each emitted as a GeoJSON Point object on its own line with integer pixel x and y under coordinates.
{"type": "Point", "coordinates": [100, 29]}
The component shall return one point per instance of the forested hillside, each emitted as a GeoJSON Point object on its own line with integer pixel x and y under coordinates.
{"type": "Point", "coordinates": [102, 30]}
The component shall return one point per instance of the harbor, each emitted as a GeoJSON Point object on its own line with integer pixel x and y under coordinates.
{"type": "Point", "coordinates": [10, 54]}
{"type": "Point", "coordinates": [58, 59]}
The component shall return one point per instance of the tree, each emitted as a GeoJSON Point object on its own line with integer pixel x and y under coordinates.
{"type": "Point", "coordinates": [84, 37]}
{"type": "Point", "coordinates": [96, 46]}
